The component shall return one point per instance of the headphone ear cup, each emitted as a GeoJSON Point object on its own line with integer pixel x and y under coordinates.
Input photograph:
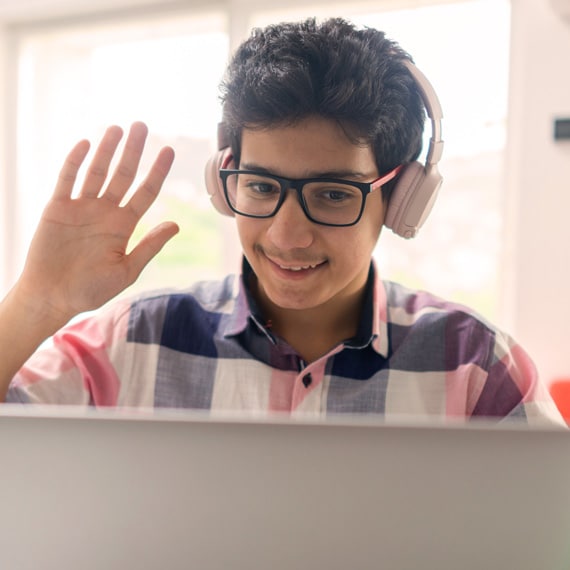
{"type": "Point", "coordinates": [412, 198]}
{"type": "Point", "coordinates": [214, 184]}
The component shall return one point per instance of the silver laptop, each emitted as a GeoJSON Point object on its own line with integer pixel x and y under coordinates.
{"type": "Point", "coordinates": [179, 490]}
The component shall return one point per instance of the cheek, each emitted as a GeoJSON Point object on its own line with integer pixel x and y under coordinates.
{"type": "Point", "coordinates": [355, 248]}
{"type": "Point", "coordinates": [250, 232]}
{"type": "Point", "coordinates": [375, 208]}
{"type": "Point", "coordinates": [245, 230]}
{"type": "Point", "coordinates": [352, 247]}
{"type": "Point", "coordinates": [373, 217]}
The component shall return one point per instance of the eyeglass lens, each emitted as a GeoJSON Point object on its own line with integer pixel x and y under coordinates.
{"type": "Point", "coordinates": [336, 203]}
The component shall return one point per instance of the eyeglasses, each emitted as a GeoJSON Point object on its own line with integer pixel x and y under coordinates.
{"type": "Point", "coordinates": [325, 201]}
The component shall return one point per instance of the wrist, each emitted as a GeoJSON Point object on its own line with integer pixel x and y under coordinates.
{"type": "Point", "coordinates": [35, 313]}
{"type": "Point", "coordinates": [25, 322]}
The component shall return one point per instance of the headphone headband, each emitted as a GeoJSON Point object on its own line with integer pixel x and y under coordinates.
{"type": "Point", "coordinates": [434, 112]}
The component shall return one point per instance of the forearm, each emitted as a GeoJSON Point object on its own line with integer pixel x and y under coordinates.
{"type": "Point", "coordinates": [78, 257]}
{"type": "Point", "coordinates": [24, 325]}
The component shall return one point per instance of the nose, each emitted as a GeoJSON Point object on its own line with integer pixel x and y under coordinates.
{"type": "Point", "coordinates": [289, 227]}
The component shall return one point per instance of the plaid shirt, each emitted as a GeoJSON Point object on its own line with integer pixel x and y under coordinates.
{"type": "Point", "coordinates": [209, 348]}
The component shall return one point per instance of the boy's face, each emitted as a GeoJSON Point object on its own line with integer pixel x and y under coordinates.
{"type": "Point", "coordinates": [334, 261]}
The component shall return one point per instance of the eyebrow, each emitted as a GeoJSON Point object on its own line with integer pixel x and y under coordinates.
{"type": "Point", "coordinates": [346, 174]}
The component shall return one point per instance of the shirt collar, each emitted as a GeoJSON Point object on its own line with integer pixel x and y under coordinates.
{"type": "Point", "coordinates": [245, 309]}
{"type": "Point", "coordinates": [380, 340]}
{"type": "Point", "coordinates": [372, 329]}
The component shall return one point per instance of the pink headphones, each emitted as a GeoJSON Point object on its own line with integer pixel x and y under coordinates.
{"type": "Point", "coordinates": [416, 189]}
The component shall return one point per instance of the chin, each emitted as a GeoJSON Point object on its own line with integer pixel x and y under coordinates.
{"type": "Point", "coordinates": [295, 302]}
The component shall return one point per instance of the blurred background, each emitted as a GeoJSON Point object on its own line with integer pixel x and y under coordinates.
{"type": "Point", "coordinates": [497, 237]}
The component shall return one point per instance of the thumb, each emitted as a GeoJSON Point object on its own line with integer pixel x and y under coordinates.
{"type": "Point", "coordinates": [149, 246]}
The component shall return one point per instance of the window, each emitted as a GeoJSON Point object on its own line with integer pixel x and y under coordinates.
{"type": "Point", "coordinates": [75, 81]}
{"type": "Point", "coordinates": [458, 252]}
{"type": "Point", "coordinates": [77, 78]}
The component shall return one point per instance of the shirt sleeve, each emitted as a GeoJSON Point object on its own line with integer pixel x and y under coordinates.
{"type": "Point", "coordinates": [80, 365]}
{"type": "Point", "coordinates": [513, 388]}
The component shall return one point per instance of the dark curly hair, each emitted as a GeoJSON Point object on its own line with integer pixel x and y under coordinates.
{"type": "Point", "coordinates": [286, 72]}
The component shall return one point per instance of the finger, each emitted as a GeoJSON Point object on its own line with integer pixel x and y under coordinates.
{"type": "Point", "coordinates": [149, 189]}
{"type": "Point", "coordinates": [99, 167]}
{"type": "Point", "coordinates": [69, 170]}
{"type": "Point", "coordinates": [149, 246]}
{"type": "Point", "coordinates": [126, 169]}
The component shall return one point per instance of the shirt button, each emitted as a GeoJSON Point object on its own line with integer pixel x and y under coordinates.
{"type": "Point", "coordinates": [307, 380]}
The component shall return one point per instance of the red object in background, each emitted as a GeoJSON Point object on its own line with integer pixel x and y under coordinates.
{"type": "Point", "coordinates": [560, 392]}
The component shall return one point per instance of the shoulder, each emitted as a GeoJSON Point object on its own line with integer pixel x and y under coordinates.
{"type": "Point", "coordinates": [149, 315]}
{"type": "Point", "coordinates": [486, 372]}
{"type": "Point", "coordinates": [426, 322]}
{"type": "Point", "coordinates": [406, 306]}
{"type": "Point", "coordinates": [210, 295]}
{"type": "Point", "coordinates": [143, 317]}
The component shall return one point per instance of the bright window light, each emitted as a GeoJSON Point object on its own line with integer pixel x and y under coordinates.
{"type": "Point", "coordinates": [76, 81]}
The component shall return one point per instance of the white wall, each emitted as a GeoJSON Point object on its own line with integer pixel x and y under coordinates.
{"type": "Point", "coordinates": [538, 169]}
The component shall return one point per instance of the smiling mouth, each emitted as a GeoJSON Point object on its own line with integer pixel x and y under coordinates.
{"type": "Point", "coordinates": [299, 267]}
{"type": "Point", "coordinates": [293, 266]}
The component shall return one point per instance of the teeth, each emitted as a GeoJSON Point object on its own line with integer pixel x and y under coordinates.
{"type": "Point", "coordinates": [299, 268]}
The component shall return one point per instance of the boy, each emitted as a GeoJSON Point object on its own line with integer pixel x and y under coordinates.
{"type": "Point", "coordinates": [323, 122]}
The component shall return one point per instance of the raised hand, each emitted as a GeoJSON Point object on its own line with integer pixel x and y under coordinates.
{"type": "Point", "coordinates": [78, 258]}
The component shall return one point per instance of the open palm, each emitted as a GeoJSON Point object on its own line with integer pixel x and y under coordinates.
{"type": "Point", "coordinates": [78, 258]}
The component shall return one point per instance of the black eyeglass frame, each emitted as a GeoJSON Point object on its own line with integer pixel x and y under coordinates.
{"type": "Point", "coordinates": [297, 184]}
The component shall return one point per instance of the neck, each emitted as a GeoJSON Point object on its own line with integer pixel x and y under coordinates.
{"type": "Point", "coordinates": [314, 332]}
